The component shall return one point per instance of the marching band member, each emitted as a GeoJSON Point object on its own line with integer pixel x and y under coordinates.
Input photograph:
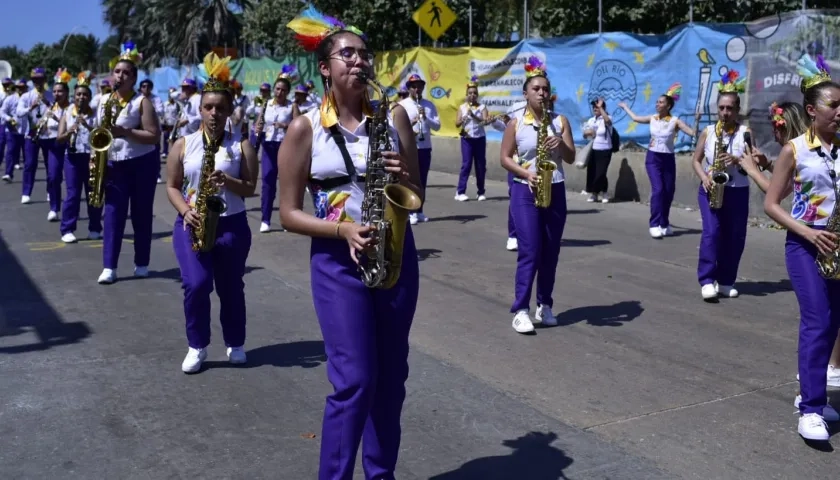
{"type": "Point", "coordinates": [238, 121]}
{"type": "Point", "coordinates": [233, 174]}
{"type": "Point", "coordinates": [301, 103]}
{"type": "Point", "coordinates": [725, 228]}
{"type": "Point", "coordinates": [171, 114]}
{"type": "Point", "coordinates": [600, 128]}
{"type": "Point", "coordinates": [75, 127]}
{"type": "Point", "coordinates": [809, 163]}
{"type": "Point", "coordinates": [190, 117]}
{"type": "Point", "coordinates": [254, 111]}
{"type": "Point", "coordinates": [365, 330]}
{"type": "Point", "coordinates": [471, 119]}
{"type": "Point", "coordinates": [278, 116]}
{"type": "Point", "coordinates": [11, 129]}
{"type": "Point", "coordinates": [132, 167]}
{"type": "Point", "coordinates": [7, 89]}
{"type": "Point", "coordinates": [147, 89]}
{"type": "Point", "coordinates": [660, 161]}
{"type": "Point", "coordinates": [538, 230]}
{"type": "Point", "coordinates": [312, 93]}
{"type": "Point", "coordinates": [55, 149]}
{"type": "Point", "coordinates": [31, 109]}
{"type": "Point", "coordinates": [424, 118]}
{"type": "Point", "coordinates": [104, 89]}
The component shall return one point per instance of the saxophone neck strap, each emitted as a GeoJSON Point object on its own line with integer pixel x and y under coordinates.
{"type": "Point", "coordinates": [332, 183]}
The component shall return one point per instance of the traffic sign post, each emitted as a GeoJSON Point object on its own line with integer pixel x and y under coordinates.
{"type": "Point", "coordinates": [434, 17]}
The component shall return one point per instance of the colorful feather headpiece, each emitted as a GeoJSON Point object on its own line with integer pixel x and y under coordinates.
{"type": "Point", "coordinates": [83, 80]}
{"type": "Point", "coordinates": [62, 76]}
{"type": "Point", "coordinates": [128, 53]}
{"type": "Point", "coordinates": [218, 73]}
{"type": "Point", "coordinates": [473, 83]}
{"type": "Point", "coordinates": [674, 91]}
{"type": "Point", "coordinates": [812, 73]}
{"type": "Point", "coordinates": [286, 73]}
{"type": "Point", "coordinates": [731, 82]}
{"type": "Point", "coordinates": [776, 117]}
{"type": "Point", "coordinates": [311, 27]}
{"type": "Point", "coordinates": [534, 68]}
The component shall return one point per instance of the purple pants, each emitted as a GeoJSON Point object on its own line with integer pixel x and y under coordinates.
{"type": "Point", "coordinates": [365, 335]}
{"type": "Point", "coordinates": [76, 178]}
{"type": "Point", "coordinates": [157, 152]}
{"type": "Point", "coordinates": [164, 137]}
{"type": "Point", "coordinates": [129, 181]}
{"type": "Point", "coordinates": [14, 148]}
{"type": "Point", "coordinates": [819, 320]}
{"type": "Point", "coordinates": [3, 140]}
{"type": "Point", "coordinates": [511, 225]}
{"type": "Point", "coordinates": [472, 150]}
{"type": "Point", "coordinates": [424, 158]}
{"type": "Point", "coordinates": [224, 266]}
{"type": "Point", "coordinates": [538, 232]}
{"type": "Point", "coordinates": [662, 172]}
{"type": "Point", "coordinates": [269, 179]}
{"type": "Point", "coordinates": [724, 236]}
{"type": "Point", "coordinates": [53, 153]}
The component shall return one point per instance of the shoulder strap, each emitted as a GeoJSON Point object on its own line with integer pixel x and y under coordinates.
{"type": "Point", "coordinates": [339, 140]}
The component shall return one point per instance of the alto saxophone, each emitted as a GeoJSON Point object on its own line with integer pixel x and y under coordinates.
{"type": "Point", "coordinates": [717, 172]}
{"type": "Point", "coordinates": [421, 115]}
{"type": "Point", "coordinates": [100, 141]}
{"type": "Point", "coordinates": [545, 167]}
{"type": "Point", "coordinates": [386, 203]}
{"type": "Point", "coordinates": [208, 204]}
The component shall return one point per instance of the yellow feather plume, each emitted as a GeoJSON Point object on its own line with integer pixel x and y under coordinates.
{"type": "Point", "coordinates": [308, 27]}
{"type": "Point", "coordinates": [217, 67]}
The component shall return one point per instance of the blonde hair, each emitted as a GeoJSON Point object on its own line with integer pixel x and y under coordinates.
{"type": "Point", "coordinates": [796, 121]}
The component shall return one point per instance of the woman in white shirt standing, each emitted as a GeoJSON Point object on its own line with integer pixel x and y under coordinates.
{"type": "Point", "coordinates": [600, 128]}
{"type": "Point", "coordinates": [232, 179]}
{"type": "Point", "coordinates": [660, 161]}
{"type": "Point", "coordinates": [471, 119]}
{"type": "Point", "coordinates": [74, 131]}
{"type": "Point", "coordinates": [278, 116]}
{"type": "Point", "coordinates": [131, 175]}
{"type": "Point", "coordinates": [724, 229]}
{"type": "Point", "coordinates": [538, 230]}
{"type": "Point", "coordinates": [56, 149]}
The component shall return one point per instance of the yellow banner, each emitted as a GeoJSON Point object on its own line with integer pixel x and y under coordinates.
{"type": "Point", "coordinates": [446, 72]}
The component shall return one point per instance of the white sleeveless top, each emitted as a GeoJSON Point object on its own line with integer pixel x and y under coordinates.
{"type": "Point", "coordinates": [662, 133]}
{"type": "Point", "coordinates": [275, 113]}
{"type": "Point", "coordinates": [129, 117]}
{"type": "Point", "coordinates": [813, 188]}
{"type": "Point", "coordinates": [526, 144]}
{"type": "Point", "coordinates": [228, 160]}
{"type": "Point", "coordinates": [473, 127]}
{"type": "Point", "coordinates": [83, 134]}
{"type": "Point", "coordinates": [50, 130]}
{"type": "Point", "coordinates": [342, 203]}
{"type": "Point", "coordinates": [735, 147]}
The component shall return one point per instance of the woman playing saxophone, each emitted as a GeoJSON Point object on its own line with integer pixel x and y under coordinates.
{"type": "Point", "coordinates": [538, 230]}
{"type": "Point", "coordinates": [725, 228]}
{"type": "Point", "coordinates": [365, 330]}
{"type": "Point", "coordinates": [809, 163]}
{"type": "Point", "coordinates": [201, 165]}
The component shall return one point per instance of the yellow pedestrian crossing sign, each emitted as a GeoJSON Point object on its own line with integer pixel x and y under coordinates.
{"type": "Point", "coordinates": [434, 17]}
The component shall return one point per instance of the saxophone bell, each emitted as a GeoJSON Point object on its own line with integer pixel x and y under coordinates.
{"type": "Point", "coordinates": [215, 206]}
{"type": "Point", "coordinates": [101, 140]}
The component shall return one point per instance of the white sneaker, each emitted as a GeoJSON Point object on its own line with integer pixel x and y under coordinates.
{"type": "Point", "coordinates": [829, 413]}
{"type": "Point", "coordinates": [236, 354]}
{"type": "Point", "coordinates": [159, 181]}
{"type": "Point", "coordinates": [481, 198]}
{"type": "Point", "coordinates": [24, 199]}
{"type": "Point", "coordinates": [264, 227]}
{"type": "Point", "coordinates": [592, 198]}
{"type": "Point", "coordinates": [94, 236]}
{"type": "Point", "coordinates": [833, 376]}
{"type": "Point", "coordinates": [813, 427]}
{"type": "Point", "coordinates": [68, 238]}
{"type": "Point", "coordinates": [666, 231]}
{"type": "Point", "coordinates": [141, 272]}
{"type": "Point", "coordinates": [584, 192]}
{"type": "Point", "coordinates": [708, 291]}
{"type": "Point", "coordinates": [108, 276]}
{"type": "Point", "coordinates": [545, 316]}
{"type": "Point", "coordinates": [655, 232]}
{"type": "Point", "coordinates": [604, 199]}
{"type": "Point", "coordinates": [412, 218]}
{"type": "Point", "coordinates": [7, 179]}
{"type": "Point", "coordinates": [17, 167]}
{"type": "Point", "coordinates": [461, 197]}
{"type": "Point", "coordinates": [512, 244]}
{"type": "Point", "coordinates": [421, 217]}
{"type": "Point", "coordinates": [52, 217]}
{"type": "Point", "coordinates": [727, 291]}
{"type": "Point", "coordinates": [192, 362]}
{"type": "Point", "coordinates": [522, 322]}
{"type": "Point", "coordinates": [48, 197]}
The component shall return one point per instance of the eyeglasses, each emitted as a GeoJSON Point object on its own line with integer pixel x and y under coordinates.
{"type": "Point", "coordinates": [350, 54]}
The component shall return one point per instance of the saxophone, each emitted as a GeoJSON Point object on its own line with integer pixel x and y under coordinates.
{"type": "Point", "coordinates": [718, 171]}
{"type": "Point", "coordinates": [386, 203]}
{"type": "Point", "coordinates": [545, 167]}
{"type": "Point", "coordinates": [101, 140]}
{"type": "Point", "coordinates": [208, 204]}
{"type": "Point", "coordinates": [421, 116]}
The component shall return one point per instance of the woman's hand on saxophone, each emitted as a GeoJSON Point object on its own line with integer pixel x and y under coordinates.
{"type": "Point", "coordinates": [707, 183]}
{"type": "Point", "coordinates": [192, 218]}
{"type": "Point", "coordinates": [552, 143]}
{"type": "Point", "coordinates": [532, 179]}
{"type": "Point", "coordinates": [218, 178]}
{"type": "Point", "coordinates": [826, 242]}
{"type": "Point", "coordinates": [394, 164]}
{"type": "Point", "coordinates": [357, 237]}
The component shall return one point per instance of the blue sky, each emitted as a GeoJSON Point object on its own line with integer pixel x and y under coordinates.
{"type": "Point", "coordinates": [29, 22]}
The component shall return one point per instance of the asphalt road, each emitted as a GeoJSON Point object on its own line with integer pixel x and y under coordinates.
{"type": "Point", "coordinates": [641, 380]}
